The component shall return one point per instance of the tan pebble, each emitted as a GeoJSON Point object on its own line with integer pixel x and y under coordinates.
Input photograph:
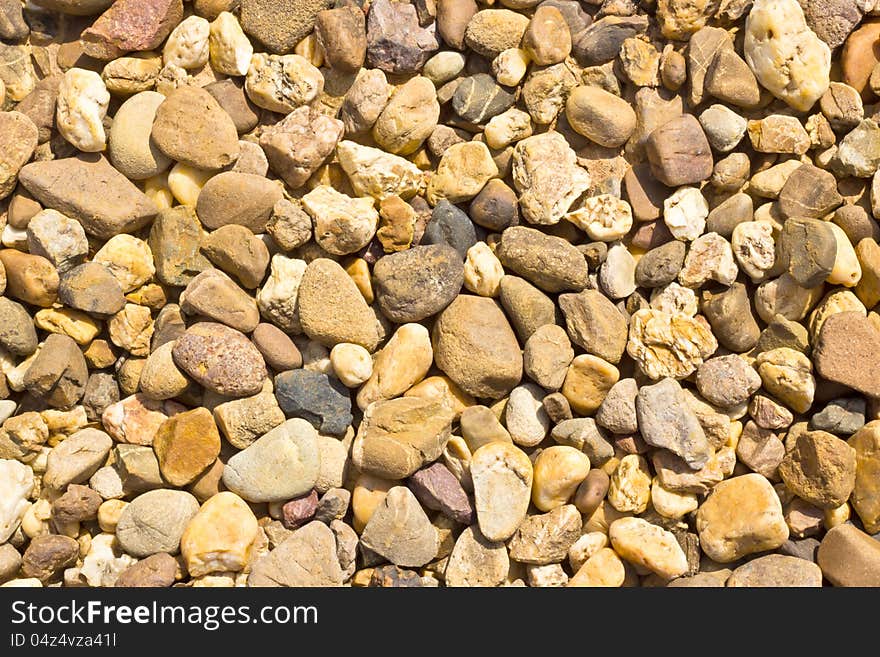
{"type": "Point", "coordinates": [109, 513]}
{"type": "Point", "coordinates": [352, 364]}
{"type": "Point", "coordinates": [649, 546]}
{"type": "Point", "coordinates": [185, 182]}
{"type": "Point", "coordinates": [369, 492]}
{"type": "Point", "coordinates": [483, 271]}
{"type": "Point", "coordinates": [588, 380]}
{"type": "Point", "coordinates": [81, 108]}
{"type": "Point", "coordinates": [602, 569]}
{"type": "Point", "coordinates": [220, 537]}
{"type": "Point", "coordinates": [558, 471]}
{"type": "Point", "coordinates": [630, 489]}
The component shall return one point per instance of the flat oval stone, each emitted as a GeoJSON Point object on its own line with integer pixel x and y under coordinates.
{"type": "Point", "coordinates": [502, 476]}
{"type": "Point", "coordinates": [244, 199]}
{"type": "Point", "coordinates": [476, 347]}
{"type": "Point", "coordinates": [221, 359]}
{"type": "Point", "coordinates": [192, 128]}
{"type": "Point", "coordinates": [417, 283]}
{"type": "Point", "coordinates": [281, 465]}
{"type": "Point", "coordinates": [154, 522]}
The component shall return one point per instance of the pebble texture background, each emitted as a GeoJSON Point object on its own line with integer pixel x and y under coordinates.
{"type": "Point", "coordinates": [439, 293]}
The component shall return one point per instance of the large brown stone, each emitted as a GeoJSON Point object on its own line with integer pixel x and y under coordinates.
{"type": "Point", "coordinates": [87, 188]}
{"type": "Point", "coordinates": [866, 493]}
{"type": "Point", "coordinates": [848, 351]}
{"type": "Point", "coordinates": [475, 346]}
{"type": "Point", "coordinates": [849, 557]}
{"type": "Point", "coordinates": [679, 152]}
{"type": "Point", "coordinates": [821, 469]}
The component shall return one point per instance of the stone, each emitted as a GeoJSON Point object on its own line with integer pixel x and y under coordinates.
{"type": "Point", "coordinates": [403, 362]}
{"type": "Point", "coordinates": [865, 499]}
{"type": "Point", "coordinates": [174, 241]}
{"type": "Point", "coordinates": [787, 374]}
{"type": "Point", "coordinates": [840, 417]}
{"type": "Point", "coordinates": [601, 41]}
{"type": "Point", "coordinates": [278, 350]}
{"type": "Point", "coordinates": [138, 469]}
{"type": "Point", "coordinates": [545, 90]}
{"type": "Point", "coordinates": [849, 557]}
{"type": "Point", "coordinates": [281, 465]}
{"type": "Point", "coordinates": [220, 537]}
{"type": "Point", "coordinates": [221, 359]}
{"type": "Point", "coordinates": [281, 83]}
{"type": "Point", "coordinates": [280, 25]}
{"type": "Point", "coordinates": [409, 117]}
{"type": "Point", "coordinates": [332, 310]}
{"type": "Point", "coordinates": [546, 538]}
{"type": "Point", "coordinates": [478, 98]}
{"type": "Point", "coordinates": [131, 25]}
{"type": "Point", "coordinates": [157, 570]}
{"type": "Point", "coordinates": [243, 421]}
{"type": "Point", "coordinates": [48, 555]}
{"type": "Point", "coordinates": [134, 420]}
{"type": "Point", "coordinates": [483, 271]}
{"type": "Point", "coordinates": [277, 298]}
{"type": "Point", "coordinates": [500, 471]}
{"type": "Point", "coordinates": [131, 329]}
{"type": "Point", "coordinates": [778, 134]}
{"type": "Point", "coordinates": [527, 307]}
{"type": "Point", "coordinates": [16, 482]}
{"type": "Point", "coordinates": [236, 250]}
{"type": "Point", "coordinates": [234, 198]}
{"type": "Point", "coordinates": [316, 398]}
{"type": "Point", "coordinates": [727, 381]}
{"type": "Point", "coordinates": [400, 531]}
{"type": "Point", "coordinates": [858, 154]}
{"type": "Point", "coordinates": [685, 213]}
{"type": "Point", "coordinates": [297, 145]}
{"type": "Point", "coordinates": [230, 51]}
{"type": "Point", "coordinates": [546, 174]}
{"type": "Point", "coordinates": [846, 342]}
{"type": "Point", "coordinates": [87, 188]}
{"type": "Point", "coordinates": [17, 334]}
{"type": "Point", "coordinates": [479, 426]}
{"type": "Point", "coordinates": [754, 247]}
{"type": "Point", "coordinates": [588, 380]}
{"type": "Point", "coordinates": [306, 558]}
{"type": "Point", "coordinates": [724, 128]}
{"type": "Point", "coordinates": [449, 225]}
{"type": "Point", "coordinates": [491, 31]}
{"type": "Point", "coordinates": [186, 444]}
{"type": "Point", "coordinates": [525, 417]}
{"type": "Point", "coordinates": [786, 56]}
{"type": "Point", "coordinates": [476, 561]}
{"type": "Point", "coordinates": [92, 288]}
{"type": "Point", "coordinates": [649, 546]}
{"type": "Point", "coordinates": [373, 172]}
{"type": "Point", "coordinates": [364, 101]}
{"type": "Point", "coordinates": [630, 487]}
{"type": "Point", "coordinates": [667, 345]}
{"type": "Point", "coordinates": [19, 132]}
{"type": "Point", "coordinates": [436, 488]}
{"type": "Point", "coordinates": [666, 420]}
{"type": "Point", "coordinates": [547, 355]}
{"type": "Point", "coordinates": [155, 521]}
{"type": "Point", "coordinates": [476, 347]}
{"type": "Point", "coordinates": [600, 116]}
{"type": "Point", "coordinates": [776, 570]}
{"type": "Point", "coordinates": [809, 192]}
{"type": "Point", "coordinates": [396, 43]}
{"type": "Point", "coordinates": [528, 252]}
{"type": "Point", "coordinates": [617, 275]}
{"type": "Point", "coordinates": [399, 436]}
{"type": "Point", "coordinates": [760, 449]}
{"type": "Point", "coordinates": [208, 142]}
{"type": "Point", "coordinates": [58, 373]}
{"type": "Point", "coordinates": [859, 57]}
{"type": "Point", "coordinates": [742, 516]}
{"type": "Point", "coordinates": [604, 568]}
{"type": "Point", "coordinates": [77, 458]}
{"type": "Point", "coordinates": [808, 247]}
{"type": "Point", "coordinates": [820, 469]}
{"type": "Point", "coordinates": [352, 364]}
{"type": "Point", "coordinates": [342, 35]}
{"type": "Point", "coordinates": [679, 152]}
{"type": "Point", "coordinates": [290, 226]}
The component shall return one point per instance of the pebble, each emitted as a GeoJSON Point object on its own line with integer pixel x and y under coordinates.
{"type": "Point", "coordinates": [209, 142]}
{"type": "Point", "coordinates": [396, 43]}
{"type": "Point", "coordinates": [665, 420]}
{"type": "Point", "coordinates": [47, 556]}
{"type": "Point", "coordinates": [685, 213]}
{"type": "Point", "coordinates": [296, 146]}
{"type": "Point", "coordinates": [239, 199]}
{"type": "Point", "coordinates": [600, 116]}
{"type": "Point", "coordinates": [526, 250]}
{"type": "Point", "coordinates": [403, 362]}
{"type": "Point", "coordinates": [306, 558]}
{"type": "Point", "coordinates": [400, 531]}
{"type": "Point", "coordinates": [316, 398]}
{"type": "Point", "coordinates": [666, 345]}
{"type": "Point", "coordinates": [131, 25]}
{"type": "Point", "coordinates": [220, 537]}
{"type": "Point", "coordinates": [437, 488]}
{"type": "Point", "coordinates": [449, 225]}
{"type": "Point", "coordinates": [340, 316]}
{"type": "Point", "coordinates": [399, 436]}
{"type": "Point", "coordinates": [849, 557]}
{"type": "Point", "coordinates": [547, 355]}
{"type": "Point", "coordinates": [476, 347]}
{"type": "Point", "coordinates": [847, 337]}
{"type": "Point", "coordinates": [476, 561]}
{"type": "Point", "coordinates": [76, 458]}
{"type": "Point", "coordinates": [16, 482]}
{"type": "Point", "coordinates": [462, 172]}
{"type": "Point", "coordinates": [281, 83]}
{"type": "Point", "coordinates": [186, 444]}
{"type": "Point", "coordinates": [786, 56]}
{"type": "Point", "coordinates": [221, 359]}
{"type": "Point", "coordinates": [243, 421]}
{"type": "Point", "coordinates": [776, 570]}
{"type": "Point", "coordinates": [154, 522]}
{"type": "Point", "coordinates": [525, 417]}
{"type": "Point", "coordinates": [679, 152]}
{"type": "Point", "coordinates": [742, 516]}
{"type": "Point", "coordinates": [546, 174]}
{"type": "Point", "coordinates": [649, 546]}
{"type": "Point", "coordinates": [87, 188]}
{"type": "Point", "coordinates": [500, 471]}
{"type": "Point", "coordinates": [820, 469]}
{"type": "Point", "coordinates": [155, 571]}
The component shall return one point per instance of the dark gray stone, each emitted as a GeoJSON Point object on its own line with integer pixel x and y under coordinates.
{"type": "Point", "coordinates": [450, 225]}
{"type": "Point", "coordinates": [660, 266]}
{"type": "Point", "coordinates": [478, 98]}
{"type": "Point", "coordinates": [842, 417]}
{"type": "Point", "coordinates": [316, 398]}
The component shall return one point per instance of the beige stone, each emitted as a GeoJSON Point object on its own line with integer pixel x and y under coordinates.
{"type": "Point", "coordinates": [402, 362]}
{"type": "Point", "coordinates": [648, 546]}
{"type": "Point", "coordinates": [558, 471]}
{"type": "Point", "coordinates": [221, 536]}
